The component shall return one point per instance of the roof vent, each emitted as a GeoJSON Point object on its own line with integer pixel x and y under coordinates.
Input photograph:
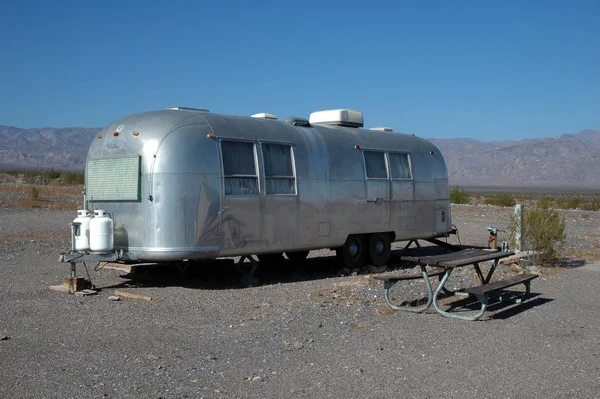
{"type": "Point", "coordinates": [338, 117]}
{"type": "Point", "coordinates": [296, 121]}
{"type": "Point", "coordinates": [186, 109]}
{"type": "Point", "coordinates": [382, 129]}
{"type": "Point", "coordinates": [264, 115]}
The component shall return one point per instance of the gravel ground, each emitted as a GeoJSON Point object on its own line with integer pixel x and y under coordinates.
{"type": "Point", "coordinates": [305, 331]}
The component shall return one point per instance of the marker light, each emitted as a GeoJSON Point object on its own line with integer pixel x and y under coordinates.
{"type": "Point", "coordinates": [136, 133]}
{"type": "Point", "coordinates": [115, 134]}
{"type": "Point", "coordinates": [99, 136]}
{"type": "Point", "coordinates": [357, 147]}
{"type": "Point", "coordinates": [431, 152]}
{"type": "Point", "coordinates": [211, 135]}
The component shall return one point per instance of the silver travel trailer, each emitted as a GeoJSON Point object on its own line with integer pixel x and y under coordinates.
{"type": "Point", "coordinates": [183, 183]}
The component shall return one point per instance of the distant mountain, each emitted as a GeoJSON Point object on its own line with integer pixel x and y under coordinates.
{"type": "Point", "coordinates": [571, 160]}
{"type": "Point", "coordinates": [63, 149]}
{"type": "Point", "coordinates": [588, 136]}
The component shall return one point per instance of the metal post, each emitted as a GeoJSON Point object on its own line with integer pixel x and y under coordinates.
{"type": "Point", "coordinates": [75, 226]}
{"type": "Point", "coordinates": [518, 216]}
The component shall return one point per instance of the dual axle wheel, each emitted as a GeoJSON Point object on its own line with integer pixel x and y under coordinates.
{"type": "Point", "coordinates": [360, 249]}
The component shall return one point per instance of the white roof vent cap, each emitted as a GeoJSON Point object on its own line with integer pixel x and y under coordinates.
{"type": "Point", "coordinates": [186, 109]}
{"type": "Point", "coordinates": [338, 117]}
{"type": "Point", "coordinates": [264, 115]}
{"type": "Point", "coordinates": [382, 129]}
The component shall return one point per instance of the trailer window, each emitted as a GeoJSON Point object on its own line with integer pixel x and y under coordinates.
{"type": "Point", "coordinates": [400, 166]}
{"type": "Point", "coordinates": [375, 165]}
{"type": "Point", "coordinates": [239, 168]}
{"type": "Point", "coordinates": [279, 170]}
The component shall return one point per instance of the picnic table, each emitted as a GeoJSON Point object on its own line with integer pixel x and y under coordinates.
{"type": "Point", "coordinates": [444, 266]}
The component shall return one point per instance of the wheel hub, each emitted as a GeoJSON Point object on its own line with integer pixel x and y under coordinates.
{"type": "Point", "coordinates": [353, 248]}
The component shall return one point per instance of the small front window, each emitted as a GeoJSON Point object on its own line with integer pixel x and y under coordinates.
{"type": "Point", "coordinates": [279, 169]}
{"type": "Point", "coordinates": [239, 168]}
{"type": "Point", "coordinates": [375, 165]}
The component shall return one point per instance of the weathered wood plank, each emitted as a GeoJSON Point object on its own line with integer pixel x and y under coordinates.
{"type": "Point", "coordinates": [499, 285]}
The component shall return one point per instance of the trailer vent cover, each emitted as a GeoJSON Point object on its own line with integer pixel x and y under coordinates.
{"type": "Point", "coordinates": [264, 115]}
{"type": "Point", "coordinates": [186, 109]}
{"type": "Point", "coordinates": [338, 117]}
{"type": "Point", "coordinates": [382, 129]}
{"type": "Point", "coordinates": [295, 121]}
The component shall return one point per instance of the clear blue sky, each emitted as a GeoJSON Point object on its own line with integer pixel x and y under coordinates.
{"type": "Point", "coordinates": [480, 69]}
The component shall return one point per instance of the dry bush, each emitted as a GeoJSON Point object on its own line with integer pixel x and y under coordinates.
{"type": "Point", "coordinates": [459, 196]}
{"type": "Point", "coordinates": [543, 232]}
{"type": "Point", "coordinates": [501, 200]}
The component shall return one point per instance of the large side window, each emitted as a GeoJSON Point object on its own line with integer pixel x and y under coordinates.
{"type": "Point", "coordinates": [400, 165]}
{"type": "Point", "coordinates": [239, 168]}
{"type": "Point", "coordinates": [375, 165]}
{"type": "Point", "coordinates": [279, 171]}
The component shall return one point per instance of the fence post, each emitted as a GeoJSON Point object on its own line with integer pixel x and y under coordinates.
{"type": "Point", "coordinates": [518, 216]}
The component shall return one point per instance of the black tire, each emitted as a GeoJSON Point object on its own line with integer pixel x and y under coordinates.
{"type": "Point", "coordinates": [380, 248]}
{"type": "Point", "coordinates": [297, 256]}
{"type": "Point", "coordinates": [354, 251]}
{"type": "Point", "coordinates": [271, 259]}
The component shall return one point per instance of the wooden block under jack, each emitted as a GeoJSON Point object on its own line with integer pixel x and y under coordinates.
{"type": "Point", "coordinates": [72, 285]}
{"type": "Point", "coordinates": [76, 284]}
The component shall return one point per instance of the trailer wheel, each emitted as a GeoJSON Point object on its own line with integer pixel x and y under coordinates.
{"type": "Point", "coordinates": [297, 256]}
{"type": "Point", "coordinates": [380, 248]}
{"type": "Point", "coordinates": [352, 254]}
{"type": "Point", "coordinates": [270, 259]}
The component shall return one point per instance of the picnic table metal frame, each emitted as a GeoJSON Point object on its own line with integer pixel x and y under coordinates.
{"type": "Point", "coordinates": [388, 283]}
{"type": "Point", "coordinates": [449, 262]}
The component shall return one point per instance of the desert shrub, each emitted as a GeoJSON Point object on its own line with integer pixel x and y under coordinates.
{"type": "Point", "coordinates": [543, 232]}
{"type": "Point", "coordinates": [501, 200]}
{"type": "Point", "coordinates": [459, 196]}
{"type": "Point", "coordinates": [569, 203]}
{"type": "Point", "coordinates": [591, 205]}
{"type": "Point", "coordinates": [72, 177]}
{"type": "Point", "coordinates": [52, 174]}
{"type": "Point", "coordinates": [578, 202]}
{"type": "Point", "coordinates": [35, 193]}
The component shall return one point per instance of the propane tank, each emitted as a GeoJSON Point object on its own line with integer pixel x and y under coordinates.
{"type": "Point", "coordinates": [101, 232]}
{"type": "Point", "coordinates": [82, 238]}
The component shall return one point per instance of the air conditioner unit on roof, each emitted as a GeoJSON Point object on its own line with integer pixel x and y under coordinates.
{"type": "Point", "coordinates": [338, 117]}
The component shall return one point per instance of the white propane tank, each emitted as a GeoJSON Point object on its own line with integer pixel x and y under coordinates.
{"type": "Point", "coordinates": [82, 239]}
{"type": "Point", "coordinates": [101, 232]}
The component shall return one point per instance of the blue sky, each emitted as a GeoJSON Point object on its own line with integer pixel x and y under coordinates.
{"type": "Point", "coordinates": [445, 69]}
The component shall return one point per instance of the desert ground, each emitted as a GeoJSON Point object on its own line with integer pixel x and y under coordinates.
{"type": "Point", "coordinates": [305, 330]}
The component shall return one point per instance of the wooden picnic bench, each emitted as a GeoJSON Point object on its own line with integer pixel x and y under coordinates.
{"type": "Point", "coordinates": [446, 263]}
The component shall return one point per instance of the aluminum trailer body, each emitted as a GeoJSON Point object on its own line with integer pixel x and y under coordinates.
{"type": "Point", "coordinates": [189, 184]}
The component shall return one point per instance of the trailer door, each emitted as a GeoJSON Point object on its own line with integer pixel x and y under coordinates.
{"type": "Point", "coordinates": [378, 191]}
{"type": "Point", "coordinates": [280, 227]}
{"type": "Point", "coordinates": [240, 211]}
{"type": "Point", "coordinates": [403, 194]}
{"type": "Point", "coordinates": [402, 182]}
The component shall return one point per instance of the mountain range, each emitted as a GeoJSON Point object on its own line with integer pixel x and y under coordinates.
{"type": "Point", "coordinates": [571, 160]}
